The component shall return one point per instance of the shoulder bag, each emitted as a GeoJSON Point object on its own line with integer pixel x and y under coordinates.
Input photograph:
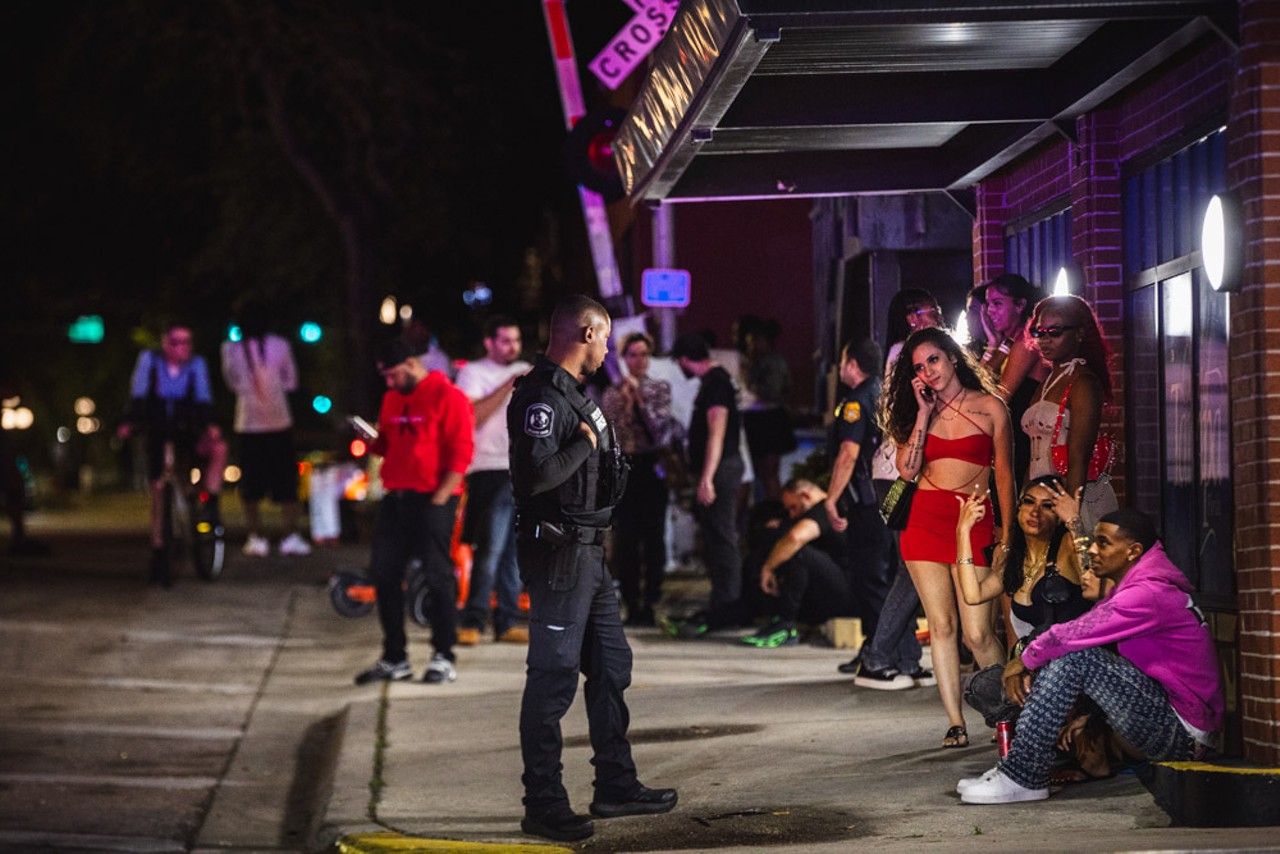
{"type": "Point", "coordinates": [896, 507]}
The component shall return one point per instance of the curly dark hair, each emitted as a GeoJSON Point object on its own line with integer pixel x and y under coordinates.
{"type": "Point", "coordinates": [1093, 347]}
{"type": "Point", "coordinates": [898, 407]}
{"type": "Point", "coordinates": [1016, 557]}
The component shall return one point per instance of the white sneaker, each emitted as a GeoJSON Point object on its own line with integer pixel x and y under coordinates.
{"type": "Point", "coordinates": [968, 782]}
{"type": "Point", "coordinates": [257, 546]}
{"type": "Point", "coordinates": [295, 545]}
{"type": "Point", "coordinates": [440, 670]}
{"type": "Point", "coordinates": [999, 789]}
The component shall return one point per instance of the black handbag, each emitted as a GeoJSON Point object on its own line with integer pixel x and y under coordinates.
{"type": "Point", "coordinates": [896, 507]}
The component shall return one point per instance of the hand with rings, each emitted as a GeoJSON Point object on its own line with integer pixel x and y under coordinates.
{"type": "Point", "coordinates": [1064, 504]}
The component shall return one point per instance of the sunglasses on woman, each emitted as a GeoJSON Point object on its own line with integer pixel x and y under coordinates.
{"type": "Point", "coordinates": [1050, 331]}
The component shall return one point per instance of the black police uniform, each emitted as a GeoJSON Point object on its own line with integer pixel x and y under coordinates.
{"type": "Point", "coordinates": [565, 494]}
{"type": "Point", "coordinates": [868, 539]}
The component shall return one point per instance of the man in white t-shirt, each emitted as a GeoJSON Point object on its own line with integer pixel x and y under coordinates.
{"type": "Point", "coordinates": [491, 508]}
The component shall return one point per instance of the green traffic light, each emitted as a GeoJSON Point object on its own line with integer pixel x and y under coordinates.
{"type": "Point", "coordinates": [310, 332]}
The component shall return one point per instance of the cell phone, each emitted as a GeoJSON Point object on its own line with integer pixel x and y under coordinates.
{"type": "Point", "coordinates": [927, 393]}
{"type": "Point", "coordinates": [364, 428]}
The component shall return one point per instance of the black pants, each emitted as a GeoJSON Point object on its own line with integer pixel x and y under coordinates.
{"type": "Point", "coordinates": [410, 526]}
{"type": "Point", "coordinates": [718, 524]}
{"type": "Point", "coordinates": [639, 535]}
{"type": "Point", "coordinates": [814, 588]}
{"type": "Point", "coordinates": [578, 630]}
{"type": "Point", "coordinates": [870, 551]}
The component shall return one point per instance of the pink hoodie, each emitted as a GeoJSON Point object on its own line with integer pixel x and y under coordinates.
{"type": "Point", "coordinates": [1153, 622]}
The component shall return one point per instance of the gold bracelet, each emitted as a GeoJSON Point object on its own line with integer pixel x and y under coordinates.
{"type": "Point", "coordinates": [960, 561]}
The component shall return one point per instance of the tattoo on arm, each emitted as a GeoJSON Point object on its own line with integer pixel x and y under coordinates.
{"type": "Point", "coordinates": [915, 449]}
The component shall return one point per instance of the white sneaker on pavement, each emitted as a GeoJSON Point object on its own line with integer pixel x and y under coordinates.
{"type": "Point", "coordinates": [968, 782]}
{"type": "Point", "coordinates": [295, 545]}
{"type": "Point", "coordinates": [257, 546]}
{"type": "Point", "coordinates": [440, 670]}
{"type": "Point", "coordinates": [999, 789]}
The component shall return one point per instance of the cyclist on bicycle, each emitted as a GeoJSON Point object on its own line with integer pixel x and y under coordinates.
{"type": "Point", "coordinates": [171, 399]}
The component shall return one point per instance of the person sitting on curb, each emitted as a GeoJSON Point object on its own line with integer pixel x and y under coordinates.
{"type": "Point", "coordinates": [1160, 691]}
{"type": "Point", "coordinates": [806, 569]}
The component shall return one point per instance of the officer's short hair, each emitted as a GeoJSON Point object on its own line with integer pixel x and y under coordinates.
{"type": "Point", "coordinates": [866, 352]}
{"type": "Point", "coordinates": [496, 322]}
{"type": "Point", "coordinates": [576, 312]}
{"type": "Point", "coordinates": [1135, 525]}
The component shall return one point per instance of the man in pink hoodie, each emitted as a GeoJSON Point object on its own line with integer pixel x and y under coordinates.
{"type": "Point", "coordinates": [1162, 692]}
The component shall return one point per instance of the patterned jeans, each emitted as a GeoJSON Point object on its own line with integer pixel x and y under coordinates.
{"type": "Point", "coordinates": [1135, 705]}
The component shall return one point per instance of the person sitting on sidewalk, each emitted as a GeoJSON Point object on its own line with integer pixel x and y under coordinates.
{"type": "Point", "coordinates": [807, 569]}
{"type": "Point", "coordinates": [1160, 691]}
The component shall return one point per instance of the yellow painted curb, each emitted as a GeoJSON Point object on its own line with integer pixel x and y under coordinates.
{"type": "Point", "coordinates": [385, 842]}
{"type": "Point", "coordinates": [1218, 769]}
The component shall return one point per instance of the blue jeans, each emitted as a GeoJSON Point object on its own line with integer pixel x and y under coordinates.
{"type": "Point", "coordinates": [1136, 707]}
{"type": "Point", "coordinates": [894, 642]}
{"type": "Point", "coordinates": [491, 503]}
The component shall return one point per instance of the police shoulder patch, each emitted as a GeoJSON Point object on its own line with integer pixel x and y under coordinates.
{"type": "Point", "coordinates": [852, 411]}
{"type": "Point", "coordinates": [538, 419]}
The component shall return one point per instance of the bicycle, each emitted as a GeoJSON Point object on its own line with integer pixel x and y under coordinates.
{"type": "Point", "coordinates": [190, 525]}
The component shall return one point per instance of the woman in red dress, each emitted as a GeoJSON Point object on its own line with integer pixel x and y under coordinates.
{"type": "Point", "coordinates": [952, 432]}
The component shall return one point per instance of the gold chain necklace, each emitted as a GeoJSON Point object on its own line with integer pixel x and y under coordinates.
{"type": "Point", "coordinates": [947, 404]}
{"type": "Point", "coordinates": [1035, 566]}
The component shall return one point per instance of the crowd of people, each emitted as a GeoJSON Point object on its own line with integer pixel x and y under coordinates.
{"type": "Point", "coordinates": [1005, 529]}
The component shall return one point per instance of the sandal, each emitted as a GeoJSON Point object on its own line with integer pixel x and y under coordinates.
{"type": "Point", "coordinates": [957, 736]}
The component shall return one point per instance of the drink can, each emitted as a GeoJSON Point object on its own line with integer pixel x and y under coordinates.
{"type": "Point", "coordinates": [1004, 737]}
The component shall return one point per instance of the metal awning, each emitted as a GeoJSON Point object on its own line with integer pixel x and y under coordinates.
{"type": "Point", "coordinates": [770, 98]}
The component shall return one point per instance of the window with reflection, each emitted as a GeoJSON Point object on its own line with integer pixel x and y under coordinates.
{"type": "Point", "coordinates": [1176, 397]}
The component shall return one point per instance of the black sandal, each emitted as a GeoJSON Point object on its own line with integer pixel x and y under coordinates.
{"type": "Point", "coordinates": [957, 736]}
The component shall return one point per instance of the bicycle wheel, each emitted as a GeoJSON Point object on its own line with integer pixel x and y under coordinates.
{"type": "Point", "coordinates": [351, 594]}
{"type": "Point", "coordinates": [208, 540]}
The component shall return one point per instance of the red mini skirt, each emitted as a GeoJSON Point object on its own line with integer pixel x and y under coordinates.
{"type": "Point", "coordinates": [931, 528]}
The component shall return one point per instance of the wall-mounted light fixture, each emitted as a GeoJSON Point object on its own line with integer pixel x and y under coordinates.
{"type": "Point", "coordinates": [1070, 280]}
{"type": "Point", "coordinates": [1221, 243]}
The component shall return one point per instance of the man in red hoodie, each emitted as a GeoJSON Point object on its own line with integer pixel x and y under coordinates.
{"type": "Point", "coordinates": [426, 439]}
{"type": "Point", "coordinates": [1160, 691]}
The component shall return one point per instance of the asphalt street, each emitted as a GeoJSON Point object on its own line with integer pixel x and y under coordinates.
{"type": "Point", "coordinates": [134, 718]}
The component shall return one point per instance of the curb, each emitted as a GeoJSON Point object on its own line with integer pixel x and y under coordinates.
{"type": "Point", "coordinates": [1226, 793]}
{"type": "Point", "coordinates": [386, 842]}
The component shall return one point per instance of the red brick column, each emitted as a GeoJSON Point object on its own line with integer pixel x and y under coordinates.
{"type": "Point", "coordinates": [1096, 245]}
{"type": "Point", "coordinates": [1253, 163]}
{"type": "Point", "coordinates": [988, 231]}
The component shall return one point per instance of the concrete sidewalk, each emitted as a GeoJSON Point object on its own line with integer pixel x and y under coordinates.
{"type": "Point", "coordinates": [770, 749]}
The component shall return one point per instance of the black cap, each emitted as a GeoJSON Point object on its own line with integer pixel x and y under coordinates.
{"type": "Point", "coordinates": [691, 346]}
{"type": "Point", "coordinates": [393, 352]}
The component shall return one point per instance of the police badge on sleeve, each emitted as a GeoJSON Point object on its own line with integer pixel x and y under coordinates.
{"type": "Point", "coordinates": [538, 419]}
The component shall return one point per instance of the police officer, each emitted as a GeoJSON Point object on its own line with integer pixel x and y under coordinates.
{"type": "Point", "coordinates": [851, 499]}
{"type": "Point", "coordinates": [568, 473]}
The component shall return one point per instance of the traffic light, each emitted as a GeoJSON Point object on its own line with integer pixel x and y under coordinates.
{"type": "Point", "coordinates": [589, 152]}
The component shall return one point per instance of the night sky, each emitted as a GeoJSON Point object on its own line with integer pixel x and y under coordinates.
{"type": "Point", "coordinates": [164, 158]}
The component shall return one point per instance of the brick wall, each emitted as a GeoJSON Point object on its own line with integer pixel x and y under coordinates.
{"type": "Point", "coordinates": [1191, 93]}
{"type": "Point", "coordinates": [1096, 245]}
{"type": "Point", "coordinates": [1253, 149]}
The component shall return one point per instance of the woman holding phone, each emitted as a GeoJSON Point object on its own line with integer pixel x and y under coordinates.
{"type": "Point", "coordinates": [952, 432]}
